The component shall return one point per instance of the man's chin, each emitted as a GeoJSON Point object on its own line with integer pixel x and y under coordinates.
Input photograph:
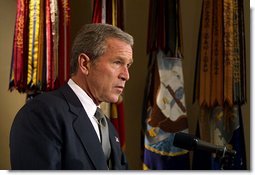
{"type": "Point", "coordinates": [114, 99]}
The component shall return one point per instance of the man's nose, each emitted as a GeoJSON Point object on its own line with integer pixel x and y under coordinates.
{"type": "Point", "coordinates": [124, 75]}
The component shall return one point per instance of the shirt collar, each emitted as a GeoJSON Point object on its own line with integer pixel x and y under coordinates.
{"type": "Point", "coordinates": [87, 103]}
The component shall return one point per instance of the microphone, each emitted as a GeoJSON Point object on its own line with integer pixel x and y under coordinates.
{"type": "Point", "coordinates": [190, 142]}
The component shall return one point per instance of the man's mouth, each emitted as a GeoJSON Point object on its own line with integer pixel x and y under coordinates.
{"type": "Point", "coordinates": [119, 88]}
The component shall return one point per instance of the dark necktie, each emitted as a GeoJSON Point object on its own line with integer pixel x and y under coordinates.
{"type": "Point", "coordinates": [104, 132]}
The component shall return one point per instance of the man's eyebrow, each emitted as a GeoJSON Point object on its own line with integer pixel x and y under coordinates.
{"type": "Point", "coordinates": [123, 59]}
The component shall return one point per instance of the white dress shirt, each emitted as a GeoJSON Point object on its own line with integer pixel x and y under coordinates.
{"type": "Point", "coordinates": [87, 103]}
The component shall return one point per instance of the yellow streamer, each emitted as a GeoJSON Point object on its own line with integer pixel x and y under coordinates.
{"type": "Point", "coordinates": [33, 43]}
{"type": "Point", "coordinates": [40, 51]}
{"type": "Point", "coordinates": [114, 13]}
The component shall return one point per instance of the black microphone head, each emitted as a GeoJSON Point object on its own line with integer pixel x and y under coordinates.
{"type": "Point", "coordinates": [185, 141]}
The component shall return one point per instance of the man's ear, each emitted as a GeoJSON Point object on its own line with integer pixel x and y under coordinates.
{"type": "Point", "coordinates": [84, 63]}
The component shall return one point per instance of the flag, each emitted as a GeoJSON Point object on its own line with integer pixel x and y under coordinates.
{"type": "Point", "coordinates": [220, 86]}
{"type": "Point", "coordinates": [164, 111]}
{"type": "Point", "coordinates": [40, 59]}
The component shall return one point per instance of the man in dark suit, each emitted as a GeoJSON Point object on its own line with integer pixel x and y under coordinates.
{"type": "Point", "coordinates": [58, 129]}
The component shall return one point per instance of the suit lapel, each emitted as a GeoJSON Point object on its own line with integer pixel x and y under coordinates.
{"type": "Point", "coordinates": [84, 129]}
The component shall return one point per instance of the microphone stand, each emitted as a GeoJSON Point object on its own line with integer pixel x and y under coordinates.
{"type": "Point", "coordinates": [226, 161]}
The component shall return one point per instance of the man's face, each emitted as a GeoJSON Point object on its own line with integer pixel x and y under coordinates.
{"type": "Point", "coordinates": [108, 75]}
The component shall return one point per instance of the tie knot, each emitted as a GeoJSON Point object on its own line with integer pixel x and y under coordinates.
{"type": "Point", "coordinates": [100, 116]}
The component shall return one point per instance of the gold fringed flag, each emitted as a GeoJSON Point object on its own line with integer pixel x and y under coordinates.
{"type": "Point", "coordinates": [221, 82]}
{"type": "Point", "coordinates": [164, 110]}
{"type": "Point", "coordinates": [40, 60]}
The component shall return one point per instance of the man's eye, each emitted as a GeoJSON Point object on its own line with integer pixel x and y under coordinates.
{"type": "Point", "coordinates": [117, 62]}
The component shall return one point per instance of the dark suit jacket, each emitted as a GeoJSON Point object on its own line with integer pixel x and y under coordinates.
{"type": "Point", "coordinates": [53, 131]}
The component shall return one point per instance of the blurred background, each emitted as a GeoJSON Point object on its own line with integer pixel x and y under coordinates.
{"type": "Point", "coordinates": [136, 23]}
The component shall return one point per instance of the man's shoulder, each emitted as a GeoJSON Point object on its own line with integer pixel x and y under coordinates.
{"type": "Point", "coordinates": [49, 98]}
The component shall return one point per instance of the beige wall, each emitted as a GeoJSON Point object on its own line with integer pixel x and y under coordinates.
{"type": "Point", "coordinates": [9, 102]}
{"type": "Point", "coordinates": [136, 19]}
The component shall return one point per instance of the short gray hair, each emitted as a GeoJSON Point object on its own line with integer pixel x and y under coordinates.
{"type": "Point", "coordinates": [91, 41]}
